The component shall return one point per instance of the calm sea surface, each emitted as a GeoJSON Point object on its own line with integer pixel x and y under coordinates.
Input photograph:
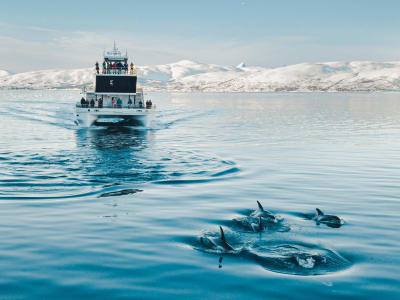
{"type": "Point", "coordinates": [111, 213]}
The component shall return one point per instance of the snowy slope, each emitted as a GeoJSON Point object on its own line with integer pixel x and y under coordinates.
{"type": "Point", "coordinates": [48, 79]}
{"type": "Point", "coordinates": [4, 73]}
{"type": "Point", "coordinates": [188, 76]}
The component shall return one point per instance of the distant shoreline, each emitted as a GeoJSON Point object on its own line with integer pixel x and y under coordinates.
{"type": "Point", "coordinates": [210, 91]}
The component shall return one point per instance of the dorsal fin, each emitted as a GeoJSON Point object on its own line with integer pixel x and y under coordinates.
{"type": "Point", "coordinates": [260, 206]}
{"type": "Point", "coordinates": [319, 212]}
{"type": "Point", "coordinates": [223, 239]}
{"type": "Point", "coordinates": [222, 234]}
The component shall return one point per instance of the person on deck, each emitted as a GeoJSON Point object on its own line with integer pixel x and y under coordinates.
{"type": "Point", "coordinates": [119, 103]}
{"type": "Point", "coordinates": [92, 103]}
{"type": "Point", "coordinates": [104, 67]}
{"type": "Point", "coordinates": [129, 102]}
{"type": "Point", "coordinates": [113, 102]}
{"type": "Point", "coordinates": [114, 68]}
{"type": "Point", "coordinates": [119, 67]}
{"type": "Point", "coordinates": [83, 102]}
{"type": "Point", "coordinates": [97, 67]}
{"type": "Point", "coordinates": [131, 68]}
{"type": "Point", "coordinates": [101, 102]}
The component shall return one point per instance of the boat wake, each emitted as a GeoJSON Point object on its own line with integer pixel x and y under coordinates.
{"type": "Point", "coordinates": [124, 156]}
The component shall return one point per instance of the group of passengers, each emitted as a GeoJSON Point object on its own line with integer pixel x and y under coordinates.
{"type": "Point", "coordinates": [149, 104]}
{"type": "Point", "coordinates": [114, 67]}
{"type": "Point", "coordinates": [92, 103]}
{"type": "Point", "coordinates": [115, 103]}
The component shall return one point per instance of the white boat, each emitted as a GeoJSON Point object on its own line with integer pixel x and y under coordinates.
{"type": "Point", "coordinates": [116, 98]}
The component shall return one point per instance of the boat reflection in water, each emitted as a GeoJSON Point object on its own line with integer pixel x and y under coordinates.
{"type": "Point", "coordinates": [115, 155]}
{"type": "Point", "coordinates": [117, 138]}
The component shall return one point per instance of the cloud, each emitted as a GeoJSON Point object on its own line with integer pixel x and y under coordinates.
{"type": "Point", "coordinates": [25, 48]}
{"type": "Point", "coordinates": [55, 49]}
{"type": "Point", "coordinates": [36, 28]}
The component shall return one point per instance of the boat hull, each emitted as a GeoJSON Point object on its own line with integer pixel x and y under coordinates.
{"type": "Point", "coordinates": [87, 117]}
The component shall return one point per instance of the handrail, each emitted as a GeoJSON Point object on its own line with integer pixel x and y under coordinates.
{"type": "Point", "coordinates": [115, 107]}
{"type": "Point", "coordinates": [117, 71]}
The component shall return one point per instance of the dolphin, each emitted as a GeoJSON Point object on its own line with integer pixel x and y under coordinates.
{"type": "Point", "coordinates": [210, 244]}
{"type": "Point", "coordinates": [334, 221]}
{"type": "Point", "coordinates": [261, 212]}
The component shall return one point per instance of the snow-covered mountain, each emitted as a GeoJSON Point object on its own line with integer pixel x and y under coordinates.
{"type": "Point", "coordinates": [191, 76]}
{"type": "Point", "coordinates": [4, 73]}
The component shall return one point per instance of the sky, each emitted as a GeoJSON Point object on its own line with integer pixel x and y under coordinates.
{"type": "Point", "coordinates": [54, 34]}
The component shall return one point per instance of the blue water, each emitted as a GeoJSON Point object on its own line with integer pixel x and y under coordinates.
{"type": "Point", "coordinates": [119, 213]}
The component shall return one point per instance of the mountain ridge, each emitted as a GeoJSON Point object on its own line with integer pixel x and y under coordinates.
{"type": "Point", "coordinates": [186, 75]}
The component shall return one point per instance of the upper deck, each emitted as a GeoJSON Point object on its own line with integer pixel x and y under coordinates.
{"type": "Point", "coordinates": [115, 63]}
{"type": "Point", "coordinates": [116, 75]}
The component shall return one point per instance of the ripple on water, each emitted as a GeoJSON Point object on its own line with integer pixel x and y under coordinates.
{"type": "Point", "coordinates": [297, 258]}
{"type": "Point", "coordinates": [105, 156]}
{"type": "Point", "coordinates": [120, 192]}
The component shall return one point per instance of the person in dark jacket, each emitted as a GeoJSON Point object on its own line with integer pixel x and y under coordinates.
{"type": "Point", "coordinates": [92, 103]}
{"type": "Point", "coordinates": [101, 102]}
{"type": "Point", "coordinates": [119, 103]}
{"type": "Point", "coordinates": [97, 67]}
{"type": "Point", "coordinates": [119, 67]}
{"type": "Point", "coordinates": [129, 102]}
{"type": "Point", "coordinates": [83, 102]}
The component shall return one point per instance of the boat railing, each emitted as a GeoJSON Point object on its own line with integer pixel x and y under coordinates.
{"type": "Point", "coordinates": [136, 106]}
{"type": "Point", "coordinates": [118, 71]}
